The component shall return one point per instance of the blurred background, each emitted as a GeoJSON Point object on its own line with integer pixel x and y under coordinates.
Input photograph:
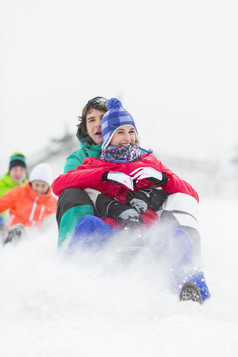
{"type": "Point", "coordinates": [172, 63]}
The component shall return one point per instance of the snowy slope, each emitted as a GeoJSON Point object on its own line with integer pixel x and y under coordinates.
{"type": "Point", "coordinates": [97, 307]}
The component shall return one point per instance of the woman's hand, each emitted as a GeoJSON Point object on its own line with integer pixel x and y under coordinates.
{"type": "Point", "coordinates": [119, 179]}
{"type": "Point", "coordinates": [150, 174]}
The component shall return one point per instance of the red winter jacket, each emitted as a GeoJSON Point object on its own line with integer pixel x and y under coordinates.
{"type": "Point", "coordinates": [89, 175]}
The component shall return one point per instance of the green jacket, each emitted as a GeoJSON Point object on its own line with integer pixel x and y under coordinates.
{"type": "Point", "coordinates": [76, 158]}
{"type": "Point", "coordinates": [7, 184]}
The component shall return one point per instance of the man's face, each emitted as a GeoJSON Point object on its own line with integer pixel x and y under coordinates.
{"type": "Point", "coordinates": [18, 174]}
{"type": "Point", "coordinates": [93, 125]}
{"type": "Point", "coordinates": [40, 187]}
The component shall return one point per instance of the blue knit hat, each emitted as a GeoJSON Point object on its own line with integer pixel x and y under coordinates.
{"type": "Point", "coordinates": [115, 117]}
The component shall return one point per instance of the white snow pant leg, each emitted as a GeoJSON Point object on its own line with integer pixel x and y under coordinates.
{"type": "Point", "coordinates": [181, 210]}
{"type": "Point", "coordinates": [93, 194]}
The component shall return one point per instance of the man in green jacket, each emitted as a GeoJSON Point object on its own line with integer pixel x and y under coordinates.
{"type": "Point", "coordinates": [16, 176]}
{"type": "Point", "coordinates": [75, 203]}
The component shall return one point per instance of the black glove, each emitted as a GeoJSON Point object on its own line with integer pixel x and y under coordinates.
{"type": "Point", "coordinates": [150, 198]}
{"type": "Point", "coordinates": [141, 200]}
{"type": "Point", "coordinates": [123, 214]}
{"type": "Point", "coordinates": [108, 207]}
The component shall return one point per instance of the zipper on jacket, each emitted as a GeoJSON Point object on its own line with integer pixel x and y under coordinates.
{"type": "Point", "coordinates": [41, 212]}
{"type": "Point", "coordinates": [33, 208]}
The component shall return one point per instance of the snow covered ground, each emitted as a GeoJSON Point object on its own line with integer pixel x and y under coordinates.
{"type": "Point", "coordinates": [98, 307]}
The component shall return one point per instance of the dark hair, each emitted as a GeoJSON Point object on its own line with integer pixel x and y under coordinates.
{"type": "Point", "coordinates": [98, 103]}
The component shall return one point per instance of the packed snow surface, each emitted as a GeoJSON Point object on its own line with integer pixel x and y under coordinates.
{"type": "Point", "coordinates": [95, 304]}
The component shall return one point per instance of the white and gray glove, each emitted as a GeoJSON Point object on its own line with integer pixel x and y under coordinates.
{"type": "Point", "coordinates": [149, 174]}
{"type": "Point", "coordinates": [119, 178]}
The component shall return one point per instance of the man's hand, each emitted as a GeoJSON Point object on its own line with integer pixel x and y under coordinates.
{"type": "Point", "coordinates": [141, 200]}
{"type": "Point", "coordinates": [123, 214]}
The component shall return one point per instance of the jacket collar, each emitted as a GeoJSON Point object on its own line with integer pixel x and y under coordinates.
{"type": "Point", "coordinates": [84, 138]}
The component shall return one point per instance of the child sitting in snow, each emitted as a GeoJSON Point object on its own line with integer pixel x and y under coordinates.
{"type": "Point", "coordinates": [30, 204]}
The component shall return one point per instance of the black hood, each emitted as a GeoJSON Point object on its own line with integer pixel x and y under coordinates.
{"type": "Point", "coordinates": [84, 138]}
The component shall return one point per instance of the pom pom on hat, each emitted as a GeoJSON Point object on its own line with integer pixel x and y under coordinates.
{"type": "Point", "coordinates": [113, 103]}
{"type": "Point", "coordinates": [114, 118]}
{"type": "Point", "coordinates": [42, 172]}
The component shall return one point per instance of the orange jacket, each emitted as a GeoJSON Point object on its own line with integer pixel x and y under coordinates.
{"type": "Point", "coordinates": [27, 206]}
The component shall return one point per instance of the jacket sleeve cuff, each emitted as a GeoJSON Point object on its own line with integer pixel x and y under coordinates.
{"type": "Point", "coordinates": [164, 179]}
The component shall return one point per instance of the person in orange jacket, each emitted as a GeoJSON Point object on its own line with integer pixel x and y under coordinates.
{"type": "Point", "coordinates": [30, 204]}
{"type": "Point", "coordinates": [16, 176]}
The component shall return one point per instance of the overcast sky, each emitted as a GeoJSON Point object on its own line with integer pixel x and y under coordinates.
{"type": "Point", "coordinates": [173, 64]}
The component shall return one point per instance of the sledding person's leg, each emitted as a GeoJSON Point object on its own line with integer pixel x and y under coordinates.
{"type": "Point", "coordinates": [73, 204]}
{"type": "Point", "coordinates": [181, 211]}
{"type": "Point", "coordinates": [188, 276]}
{"type": "Point", "coordinates": [91, 231]}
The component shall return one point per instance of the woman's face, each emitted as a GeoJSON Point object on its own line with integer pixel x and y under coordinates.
{"type": "Point", "coordinates": [125, 135]}
{"type": "Point", "coordinates": [93, 125]}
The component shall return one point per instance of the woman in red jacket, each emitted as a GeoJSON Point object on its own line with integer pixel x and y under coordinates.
{"type": "Point", "coordinates": [30, 204]}
{"type": "Point", "coordinates": [136, 179]}
{"type": "Point", "coordinates": [133, 182]}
